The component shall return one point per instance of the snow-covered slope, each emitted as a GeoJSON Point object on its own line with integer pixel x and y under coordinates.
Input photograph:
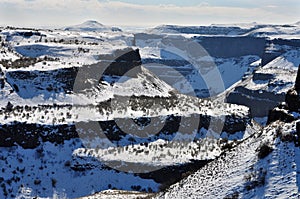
{"type": "Point", "coordinates": [264, 165]}
{"type": "Point", "coordinates": [194, 76]}
{"type": "Point", "coordinates": [242, 173]}
{"type": "Point", "coordinates": [117, 194]}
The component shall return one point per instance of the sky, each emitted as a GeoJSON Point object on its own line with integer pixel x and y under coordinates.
{"type": "Point", "coordinates": [147, 13]}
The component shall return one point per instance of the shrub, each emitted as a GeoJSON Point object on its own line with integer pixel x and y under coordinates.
{"type": "Point", "coordinates": [53, 181]}
{"type": "Point", "coordinates": [287, 137]}
{"type": "Point", "coordinates": [264, 150]}
{"type": "Point", "coordinates": [235, 195]}
{"type": "Point", "coordinates": [255, 179]}
{"type": "Point", "coordinates": [68, 163]}
{"type": "Point", "coordinates": [136, 187]}
{"type": "Point", "coordinates": [37, 181]}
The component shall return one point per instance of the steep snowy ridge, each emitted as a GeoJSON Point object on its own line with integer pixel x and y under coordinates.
{"type": "Point", "coordinates": [239, 173]}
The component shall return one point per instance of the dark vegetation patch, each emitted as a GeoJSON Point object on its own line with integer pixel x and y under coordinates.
{"type": "Point", "coordinates": [255, 179]}
{"type": "Point", "coordinates": [264, 150]}
{"type": "Point", "coordinates": [172, 174]}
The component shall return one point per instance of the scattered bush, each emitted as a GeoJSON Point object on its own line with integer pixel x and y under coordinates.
{"type": "Point", "coordinates": [235, 195]}
{"type": "Point", "coordinates": [264, 150]}
{"type": "Point", "coordinates": [37, 181]}
{"type": "Point", "coordinates": [255, 179]}
{"type": "Point", "coordinates": [68, 163]}
{"type": "Point", "coordinates": [53, 181]}
{"type": "Point", "coordinates": [136, 188]}
{"type": "Point", "coordinates": [287, 137]}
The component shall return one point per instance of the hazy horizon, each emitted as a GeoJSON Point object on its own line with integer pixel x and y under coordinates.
{"type": "Point", "coordinates": [147, 13]}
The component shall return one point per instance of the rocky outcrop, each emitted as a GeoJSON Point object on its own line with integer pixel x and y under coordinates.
{"type": "Point", "coordinates": [292, 97]}
{"type": "Point", "coordinates": [281, 115]}
{"type": "Point", "coordinates": [297, 83]}
{"type": "Point", "coordinates": [292, 104]}
{"type": "Point", "coordinates": [32, 83]}
{"type": "Point", "coordinates": [266, 88]}
{"type": "Point", "coordinates": [30, 136]}
{"type": "Point", "coordinates": [259, 102]}
{"type": "Point", "coordinates": [124, 62]}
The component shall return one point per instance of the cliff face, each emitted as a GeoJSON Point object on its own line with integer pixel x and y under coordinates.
{"type": "Point", "coordinates": [124, 62]}
{"type": "Point", "coordinates": [31, 83]}
{"type": "Point", "coordinates": [292, 97]}
{"type": "Point", "coordinates": [284, 112]}
{"type": "Point", "coordinates": [226, 47]}
{"type": "Point", "coordinates": [63, 124]}
{"type": "Point", "coordinates": [268, 85]}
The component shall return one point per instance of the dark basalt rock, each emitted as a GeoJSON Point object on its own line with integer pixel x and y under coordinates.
{"type": "Point", "coordinates": [279, 114]}
{"type": "Point", "coordinates": [262, 76]}
{"type": "Point", "coordinates": [29, 136]}
{"type": "Point", "coordinates": [298, 134]}
{"type": "Point", "coordinates": [226, 47]}
{"type": "Point", "coordinates": [73, 79]}
{"type": "Point", "coordinates": [292, 100]}
{"type": "Point", "coordinates": [297, 83]}
{"type": "Point", "coordinates": [124, 62]}
{"type": "Point", "coordinates": [292, 97]}
{"type": "Point", "coordinates": [259, 103]}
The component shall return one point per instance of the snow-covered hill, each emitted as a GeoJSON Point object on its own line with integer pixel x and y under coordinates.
{"type": "Point", "coordinates": [92, 26]}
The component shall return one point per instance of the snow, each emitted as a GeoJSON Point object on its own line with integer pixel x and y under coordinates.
{"type": "Point", "coordinates": [172, 153]}
{"type": "Point", "coordinates": [283, 69]}
{"type": "Point", "coordinates": [84, 113]}
{"type": "Point", "coordinates": [191, 78]}
{"type": "Point", "coordinates": [48, 171]}
{"type": "Point", "coordinates": [49, 162]}
{"type": "Point", "coordinates": [235, 170]}
{"type": "Point", "coordinates": [286, 31]}
{"type": "Point", "coordinates": [117, 194]}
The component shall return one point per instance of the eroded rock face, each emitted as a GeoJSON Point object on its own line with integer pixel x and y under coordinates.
{"type": "Point", "coordinates": [32, 83]}
{"type": "Point", "coordinates": [30, 136]}
{"type": "Point", "coordinates": [292, 97]}
{"type": "Point", "coordinates": [266, 88]}
{"type": "Point", "coordinates": [292, 101]}
{"type": "Point", "coordinates": [124, 62]}
{"type": "Point", "coordinates": [298, 133]}
{"type": "Point", "coordinates": [119, 131]}
{"type": "Point", "coordinates": [297, 83]}
{"type": "Point", "coordinates": [279, 114]}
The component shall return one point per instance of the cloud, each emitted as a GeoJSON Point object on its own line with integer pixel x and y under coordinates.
{"type": "Point", "coordinates": [59, 13]}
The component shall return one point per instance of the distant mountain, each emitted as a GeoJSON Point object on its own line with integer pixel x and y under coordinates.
{"type": "Point", "coordinates": [93, 26]}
